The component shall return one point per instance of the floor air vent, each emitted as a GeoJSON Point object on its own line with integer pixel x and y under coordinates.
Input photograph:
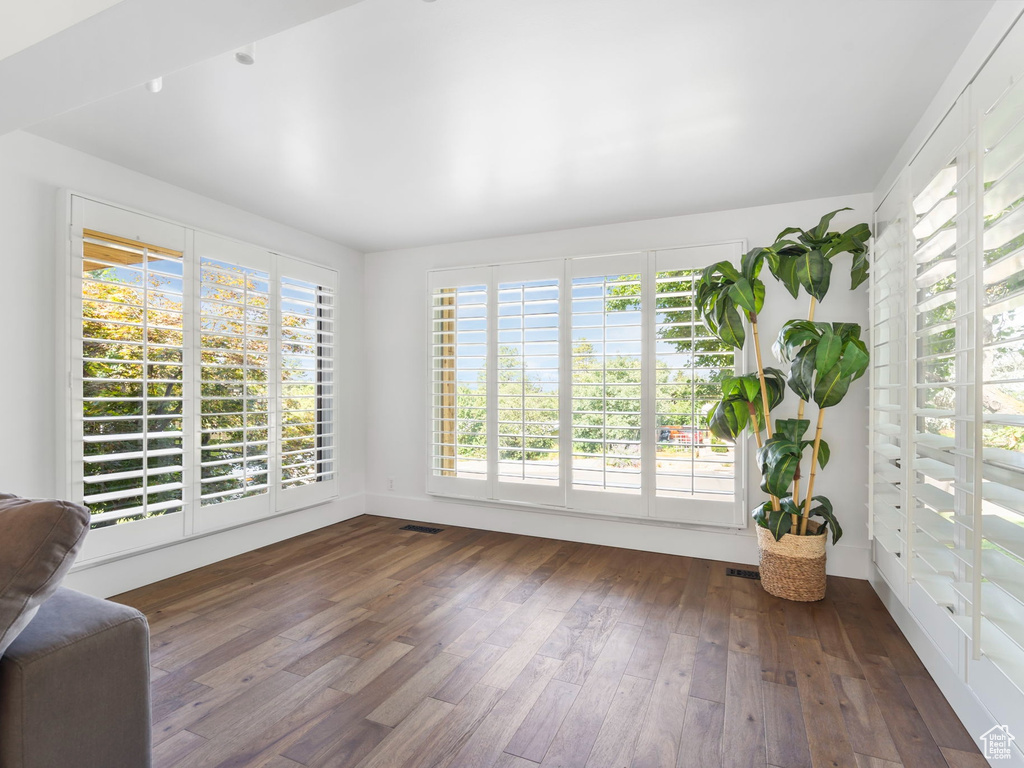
{"type": "Point", "coordinates": [742, 573]}
{"type": "Point", "coordinates": [420, 529]}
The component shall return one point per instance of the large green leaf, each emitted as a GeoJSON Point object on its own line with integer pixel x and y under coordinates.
{"type": "Point", "coordinates": [760, 513]}
{"type": "Point", "coordinates": [846, 331]}
{"type": "Point", "coordinates": [792, 429]}
{"type": "Point", "coordinates": [742, 294]}
{"type": "Point", "coordinates": [814, 272]}
{"type": "Point", "coordinates": [823, 453]}
{"type": "Point", "coordinates": [859, 270]}
{"type": "Point", "coordinates": [784, 270]}
{"type": "Point", "coordinates": [758, 296]}
{"type": "Point", "coordinates": [779, 522]}
{"type": "Point", "coordinates": [786, 232]}
{"type": "Point", "coordinates": [731, 385]}
{"type": "Point", "coordinates": [751, 263]}
{"type": "Point", "coordinates": [855, 359]}
{"type": "Point", "coordinates": [728, 419]}
{"type": "Point", "coordinates": [730, 327]}
{"type": "Point", "coordinates": [779, 467]}
{"type": "Point", "coordinates": [831, 387]}
{"type": "Point", "coordinates": [801, 373]}
{"type": "Point", "coordinates": [820, 231]}
{"type": "Point", "coordinates": [792, 337]}
{"type": "Point", "coordinates": [751, 387]}
{"type": "Point", "coordinates": [728, 271]}
{"type": "Point", "coordinates": [792, 265]}
{"type": "Point", "coordinates": [775, 385]}
{"type": "Point", "coordinates": [824, 509]}
{"type": "Point", "coordinates": [828, 349]}
{"type": "Point", "coordinates": [850, 241]}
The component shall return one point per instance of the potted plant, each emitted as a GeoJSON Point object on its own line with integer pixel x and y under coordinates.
{"type": "Point", "coordinates": [823, 359]}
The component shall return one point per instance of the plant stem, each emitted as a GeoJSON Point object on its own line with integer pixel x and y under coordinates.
{"type": "Point", "coordinates": [760, 378]}
{"type": "Point", "coordinates": [764, 399]}
{"type": "Point", "coordinates": [800, 413]}
{"type": "Point", "coordinates": [753, 420]}
{"type": "Point", "coordinates": [814, 471]}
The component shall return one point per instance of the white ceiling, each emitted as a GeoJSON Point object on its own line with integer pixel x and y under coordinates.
{"type": "Point", "coordinates": [397, 122]}
{"type": "Point", "coordinates": [126, 45]}
{"type": "Point", "coordinates": [26, 24]}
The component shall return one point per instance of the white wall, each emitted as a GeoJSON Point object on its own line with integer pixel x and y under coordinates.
{"type": "Point", "coordinates": [32, 170]}
{"type": "Point", "coordinates": [395, 301]}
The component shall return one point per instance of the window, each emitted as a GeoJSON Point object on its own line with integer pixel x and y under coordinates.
{"type": "Point", "coordinates": [234, 371]}
{"type": "Point", "coordinates": [607, 373]}
{"type": "Point", "coordinates": [528, 374]}
{"type": "Point", "coordinates": [581, 384]}
{"type": "Point", "coordinates": [132, 434]}
{"type": "Point", "coordinates": [307, 334]}
{"type": "Point", "coordinates": [690, 364]}
{"type": "Point", "coordinates": [459, 374]}
{"type": "Point", "coordinates": [201, 387]}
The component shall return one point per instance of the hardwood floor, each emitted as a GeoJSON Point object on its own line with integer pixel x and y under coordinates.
{"type": "Point", "coordinates": [364, 645]}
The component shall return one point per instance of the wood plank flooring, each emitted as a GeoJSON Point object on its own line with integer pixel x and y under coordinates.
{"type": "Point", "coordinates": [364, 645]}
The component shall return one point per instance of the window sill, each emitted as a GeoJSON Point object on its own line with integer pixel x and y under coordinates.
{"type": "Point", "coordinates": [517, 506]}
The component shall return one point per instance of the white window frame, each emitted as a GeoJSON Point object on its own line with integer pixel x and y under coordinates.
{"type": "Point", "coordinates": [644, 506]}
{"type": "Point", "coordinates": [112, 542]}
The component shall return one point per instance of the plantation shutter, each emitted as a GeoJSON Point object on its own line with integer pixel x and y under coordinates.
{"type": "Point", "coordinates": [890, 331]}
{"type": "Point", "coordinates": [958, 439]}
{"type": "Point", "coordinates": [235, 362]}
{"type": "Point", "coordinates": [581, 384]}
{"type": "Point", "coordinates": [996, 489]}
{"type": "Point", "coordinates": [131, 432]}
{"type": "Point", "coordinates": [528, 376]}
{"type": "Point", "coordinates": [462, 311]}
{"type": "Point", "coordinates": [695, 474]}
{"type": "Point", "coordinates": [307, 353]}
{"type": "Point", "coordinates": [941, 237]}
{"type": "Point", "coordinates": [608, 420]}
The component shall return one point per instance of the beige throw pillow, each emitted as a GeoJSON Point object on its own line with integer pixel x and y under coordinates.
{"type": "Point", "coordinates": [38, 543]}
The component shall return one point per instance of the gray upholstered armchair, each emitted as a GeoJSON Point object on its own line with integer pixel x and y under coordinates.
{"type": "Point", "coordinates": [74, 669]}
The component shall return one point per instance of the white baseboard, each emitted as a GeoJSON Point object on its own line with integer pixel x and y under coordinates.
{"type": "Point", "coordinates": [133, 571]}
{"type": "Point", "coordinates": [975, 716]}
{"type": "Point", "coordinates": [734, 546]}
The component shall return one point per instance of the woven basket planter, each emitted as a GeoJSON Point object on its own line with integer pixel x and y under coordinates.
{"type": "Point", "coordinates": [794, 566]}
